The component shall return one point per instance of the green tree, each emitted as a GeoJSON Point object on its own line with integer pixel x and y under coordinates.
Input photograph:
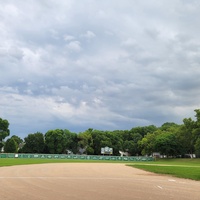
{"type": "Point", "coordinates": [56, 141]}
{"type": "Point", "coordinates": [187, 136]}
{"type": "Point", "coordinates": [130, 142]}
{"type": "Point", "coordinates": [197, 147]}
{"type": "Point", "coordinates": [147, 143]}
{"type": "Point", "coordinates": [34, 143]}
{"type": "Point", "coordinates": [168, 126]}
{"type": "Point", "coordinates": [100, 140]}
{"type": "Point", "coordinates": [116, 140]}
{"type": "Point", "coordinates": [167, 144]}
{"type": "Point", "coordinates": [19, 142]}
{"type": "Point", "coordinates": [85, 141]}
{"type": "Point", "coordinates": [143, 130]}
{"type": "Point", "coordinates": [196, 131]}
{"type": "Point", "coordinates": [10, 146]}
{"type": "Point", "coordinates": [4, 131]}
{"type": "Point", "coordinates": [71, 140]}
{"type": "Point", "coordinates": [17, 139]}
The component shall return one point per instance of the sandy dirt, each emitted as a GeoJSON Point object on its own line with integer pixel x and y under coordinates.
{"type": "Point", "coordinates": [91, 181]}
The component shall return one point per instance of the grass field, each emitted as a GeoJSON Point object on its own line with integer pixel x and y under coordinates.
{"type": "Point", "coordinates": [27, 161]}
{"type": "Point", "coordinates": [183, 168]}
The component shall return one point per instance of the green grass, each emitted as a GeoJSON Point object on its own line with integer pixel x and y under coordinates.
{"type": "Point", "coordinates": [182, 168]}
{"type": "Point", "coordinates": [28, 161]}
{"type": "Point", "coordinates": [178, 161]}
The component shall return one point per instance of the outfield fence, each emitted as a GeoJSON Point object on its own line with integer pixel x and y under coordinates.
{"type": "Point", "coordinates": [76, 157]}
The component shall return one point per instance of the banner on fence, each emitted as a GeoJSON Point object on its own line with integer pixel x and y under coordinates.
{"type": "Point", "coordinates": [77, 157]}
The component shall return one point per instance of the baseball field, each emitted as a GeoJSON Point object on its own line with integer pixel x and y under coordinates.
{"type": "Point", "coordinates": [61, 180]}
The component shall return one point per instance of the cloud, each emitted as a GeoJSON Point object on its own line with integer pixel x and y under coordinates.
{"type": "Point", "coordinates": [88, 35]}
{"type": "Point", "coordinates": [74, 46]}
{"type": "Point", "coordinates": [69, 37]}
{"type": "Point", "coordinates": [105, 65]}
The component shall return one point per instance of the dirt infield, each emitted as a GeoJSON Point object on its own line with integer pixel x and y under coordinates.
{"type": "Point", "coordinates": [91, 182]}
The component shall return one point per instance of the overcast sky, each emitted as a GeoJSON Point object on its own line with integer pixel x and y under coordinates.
{"type": "Point", "coordinates": [102, 64]}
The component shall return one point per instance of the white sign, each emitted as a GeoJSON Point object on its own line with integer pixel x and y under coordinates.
{"type": "Point", "coordinates": [106, 150]}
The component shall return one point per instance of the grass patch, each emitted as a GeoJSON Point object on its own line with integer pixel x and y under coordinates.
{"type": "Point", "coordinates": [28, 161]}
{"type": "Point", "coordinates": [182, 168]}
{"type": "Point", "coordinates": [178, 161]}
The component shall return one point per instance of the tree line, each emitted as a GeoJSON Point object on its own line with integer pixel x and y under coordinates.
{"type": "Point", "coordinates": [170, 139]}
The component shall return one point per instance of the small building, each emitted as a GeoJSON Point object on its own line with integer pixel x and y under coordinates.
{"type": "Point", "coordinates": [156, 155]}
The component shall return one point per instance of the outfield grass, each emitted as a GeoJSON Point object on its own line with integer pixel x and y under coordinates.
{"type": "Point", "coordinates": [178, 161]}
{"type": "Point", "coordinates": [27, 161]}
{"type": "Point", "coordinates": [182, 168]}
{"type": "Point", "coordinates": [177, 171]}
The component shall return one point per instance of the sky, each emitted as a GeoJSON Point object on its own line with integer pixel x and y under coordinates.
{"type": "Point", "coordinates": [106, 65]}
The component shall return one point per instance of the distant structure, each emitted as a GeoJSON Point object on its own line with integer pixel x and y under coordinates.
{"type": "Point", "coordinates": [106, 151]}
{"type": "Point", "coordinates": [156, 155]}
{"type": "Point", "coordinates": [82, 150]}
{"type": "Point", "coordinates": [68, 151]}
{"type": "Point", "coordinates": [123, 153]}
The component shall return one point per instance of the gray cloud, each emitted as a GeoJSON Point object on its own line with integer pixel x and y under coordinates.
{"type": "Point", "coordinates": [106, 65]}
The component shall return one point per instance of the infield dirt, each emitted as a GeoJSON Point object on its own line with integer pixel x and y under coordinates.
{"type": "Point", "coordinates": [91, 181]}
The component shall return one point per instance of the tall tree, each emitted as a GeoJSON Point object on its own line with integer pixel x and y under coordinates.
{"type": "Point", "coordinates": [143, 130]}
{"type": "Point", "coordinates": [130, 142]}
{"type": "Point", "coordinates": [34, 143]}
{"type": "Point", "coordinates": [99, 138]}
{"type": "Point", "coordinates": [4, 131]}
{"type": "Point", "coordinates": [187, 136]}
{"type": "Point", "coordinates": [17, 139]}
{"type": "Point", "coordinates": [85, 142]}
{"type": "Point", "coordinates": [197, 147]}
{"type": "Point", "coordinates": [169, 125]}
{"type": "Point", "coordinates": [167, 144]}
{"type": "Point", "coordinates": [147, 143]}
{"type": "Point", "coordinates": [56, 141]}
{"type": "Point", "coordinates": [116, 139]}
{"type": "Point", "coordinates": [196, 131]}
{"type": "Point", "coordinates": [71, 141]}
{"type": "Point", "coordinates": [10, 146]}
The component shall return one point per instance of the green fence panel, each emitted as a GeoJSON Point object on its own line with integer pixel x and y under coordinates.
{"type": "Point", "coordinates": [69, 157]}
{"type": "Point", "coordinates": [62, 157]}
{"type": "Point", "coordinates": [43, 156]}
{"type": "Point", "coordinates": [3, 156]}
{"type": "Point", "coordinates": [10, 155]}
{"type": "Point", "coordinates": [113, 158]}
{"type": "Point", "coordinates": [81, 157]}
